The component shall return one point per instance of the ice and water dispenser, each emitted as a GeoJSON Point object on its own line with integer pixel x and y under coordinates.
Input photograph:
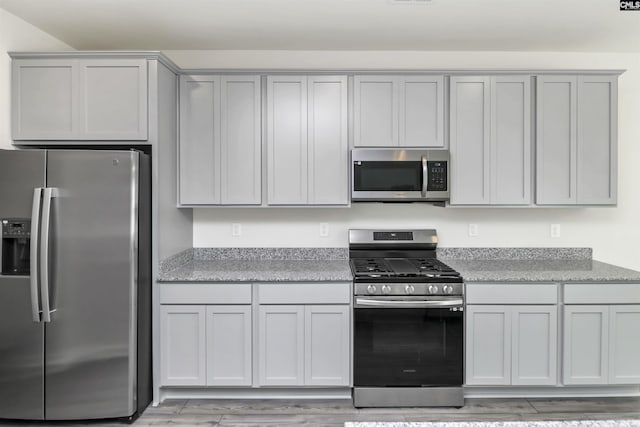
{"type": "Point", "coordinates": [16, 238]}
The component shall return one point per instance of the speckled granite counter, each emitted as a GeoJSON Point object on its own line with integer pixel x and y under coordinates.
{"type": "Point", "coordinates": [533, 265]}
{"type": "Point", "coordinates": [258, 265]}
{"type": "Point", "coordinates": [331, 265]}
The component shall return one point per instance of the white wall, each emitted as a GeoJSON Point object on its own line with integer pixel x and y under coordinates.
{"type": "Point", "coordinates": [613, 233]}
{"type": "Point", "coordinates": [17, 35]}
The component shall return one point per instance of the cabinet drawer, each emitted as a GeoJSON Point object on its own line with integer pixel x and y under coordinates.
{"type": "Point", "coordinates": [510, 293]}
{"type": "Point", "coordinates": [305, 293]}
{"type": "Point", "coordinates": [200, 293]}
{"type": "Point", "coordinates": [602, 293]}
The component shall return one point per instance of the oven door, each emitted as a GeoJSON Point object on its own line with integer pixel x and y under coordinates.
{"type": "Point", "coordinates": [408, 341]}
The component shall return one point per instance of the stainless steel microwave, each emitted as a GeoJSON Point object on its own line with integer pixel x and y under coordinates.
{"type": "Point", "coordinates": [396, 175]}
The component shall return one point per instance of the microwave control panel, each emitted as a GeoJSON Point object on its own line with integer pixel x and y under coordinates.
{"type": "Point", "coordinates": [437, 176]}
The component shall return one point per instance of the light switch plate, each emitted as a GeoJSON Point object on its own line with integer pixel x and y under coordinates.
{"type": "Point", "coordinates": [473, 230]}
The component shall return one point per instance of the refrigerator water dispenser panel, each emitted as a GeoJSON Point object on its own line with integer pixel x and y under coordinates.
{"type": "Point", "coordinates": [16, 239]}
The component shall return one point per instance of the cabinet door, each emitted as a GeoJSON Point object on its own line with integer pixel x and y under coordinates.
{"type": "Point", "coordinates": [182, 347]}
{"type": "Point", "coordinates": [199, 146]}
{"type": "Point", "coordinates": [240, 125]}
{"type": "Point", "coordinates": [624, 344]}
{"type": "Point", "coordinates": [113, 99]}
{"type": "Point", "coordinates": [556, 140]}
{"type": "Point", "coordinates": [597, 140]}
{"type": "Point", "coordinates": [328, 145]}
{"type": "Point", "coordinates": [287, 140]}
{"type": "Point", "coordinates": [470, 140]}
{"type": "Point", "coordinates": [586, 339]}
{"type": "Point", "coordinates": [488, 345]}
{"type": "Point", "coordinates": [229, 345]}
{"type": "Point", "coordinates": [534, 349]}
{"type": "Point", "coordinates": [510, 140]}
{"type": "Point", "coordinates": [421, 112]}
{"type": "Point", "coordinates": [375, 111]}
{"type": "Point", "coordinates": [44, 99]}
{"type": "Point", "coordinates": [281, 345]}
{"type": "Point", "coordinates": [327, 341]}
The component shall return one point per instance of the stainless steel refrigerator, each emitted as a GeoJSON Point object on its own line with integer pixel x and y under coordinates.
{"type": "Point", "coordinates": [75, 288]}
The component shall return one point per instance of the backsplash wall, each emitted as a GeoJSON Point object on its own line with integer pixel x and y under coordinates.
{"type": "Point", "coordinates": [611, 232]}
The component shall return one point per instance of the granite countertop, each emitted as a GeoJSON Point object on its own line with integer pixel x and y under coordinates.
{"type": "Point", "coordinates": [260, 271]}
{"type": "Point", "coordinates": [332, 265]}
{"type": "Point", "coordinates": [518, 270]}
{"type": "Point", "coordinates": [258, 265]}
{"type": "Point", "coordinates": [533, 265]}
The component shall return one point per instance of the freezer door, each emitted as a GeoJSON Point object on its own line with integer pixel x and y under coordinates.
{"type": "Point", "coordinates": [90, 347]}
{"type": "Point", "coordinates": [21, 339]}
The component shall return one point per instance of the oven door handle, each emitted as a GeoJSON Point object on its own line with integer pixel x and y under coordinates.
{"type": "Point", "coordinates": [365, 302]}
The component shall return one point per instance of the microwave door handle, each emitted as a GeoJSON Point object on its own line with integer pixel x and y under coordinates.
{"type": "Point", "coordinates": [425, 176]}
{"type": "Point", "coordinates": [33, 262]}
{"type": "Point", "coordinates": [48, 194]}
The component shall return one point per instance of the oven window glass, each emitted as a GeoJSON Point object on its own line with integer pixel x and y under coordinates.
{"type": "Point", "coordinates": [387, 176]}
{"type": "Point", "coordinates": [408, 347]}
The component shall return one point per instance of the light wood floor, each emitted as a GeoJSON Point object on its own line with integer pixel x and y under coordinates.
{"type": "Point", "coordinates": [334, 413]}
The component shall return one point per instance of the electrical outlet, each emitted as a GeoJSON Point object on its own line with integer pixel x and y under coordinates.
{"type": "Point", "coordinates": [236, 229]}
{"type": "Point", "coordinates": [473, 230]}
{"type": "Point", "coordinates": [554, 230]}
{"type": "Point", "coordinates": [324, 229]}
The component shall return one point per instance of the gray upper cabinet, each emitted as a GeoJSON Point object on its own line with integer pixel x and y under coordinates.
{"type": "Point", "coordinates": [597, 136]}
{"type": "Point", "coordinates": [470, 138]}
{"type": "Point", "coordinates": [220, 140]}
{"type": "Point", "coordinates": [490, 140]}
{"type": "Point", "coordinates": [394, 111]}
{"type": "Point", "coordinates": [287, 140]}
{"type": "Point", "coordinates": [79, 99]}
{"type": "Point", "coordinates": [576, 140]}
{"type": "Point", "coordinates": [307, 145]}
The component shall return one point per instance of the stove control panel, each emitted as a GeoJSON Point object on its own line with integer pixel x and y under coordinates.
{"type": "Point", "coordinates": [449, 289]}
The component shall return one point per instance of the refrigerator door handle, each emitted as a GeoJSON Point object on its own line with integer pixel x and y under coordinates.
{"type": "Point", "coordinates": [47, 195]}
{"type": "Point", "coordinates": [33, 263]}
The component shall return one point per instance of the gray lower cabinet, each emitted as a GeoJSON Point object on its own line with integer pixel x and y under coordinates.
{"type": "Point", "coordinates": [490, 140]}
{"type": "Point", "coordinates": [307, 145]}
{"type": "Point", "coordinates": [511, 334]}
{"type": "Point", "coordinates": [601, 344]}
{"type": "Point", "coordinates": [281, 345]}
{"type": "Point", "coordinates": [220, 140]}
{"type": "Point", "coordinates": [229, 349]}
{"type": "Point", "coordinates": [396, 110]}
{"type": "Point", "coordinates": [304, 345]}
{"type": "Point", "coordinates": [511, 345]}
{"type": "Point", "coordinates": [79, 99]}
{"type": "Point", "coordinates": [576, 139]}
{"type": "Point", "coordinates": [183, 345]}
{"type": "Point", "coordinates": [206, 345]}
{"type": "Point", "coordinates": [218, 335]}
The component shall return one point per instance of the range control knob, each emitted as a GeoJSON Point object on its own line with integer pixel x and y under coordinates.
{"type": "Point", "coordinates": [433, 289]}
{"type": "Point", "coordinates": [386, 289]}
{"type": "Point", "coordinates": [409, 289]}
{"type": "Point", "coordinates": [371, 289]}
{"type": "Point", "coordinates": [447, 289]}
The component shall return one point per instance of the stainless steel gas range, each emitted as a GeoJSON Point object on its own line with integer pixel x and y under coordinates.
{"type": "Point", "coordinates": [408, 321]}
